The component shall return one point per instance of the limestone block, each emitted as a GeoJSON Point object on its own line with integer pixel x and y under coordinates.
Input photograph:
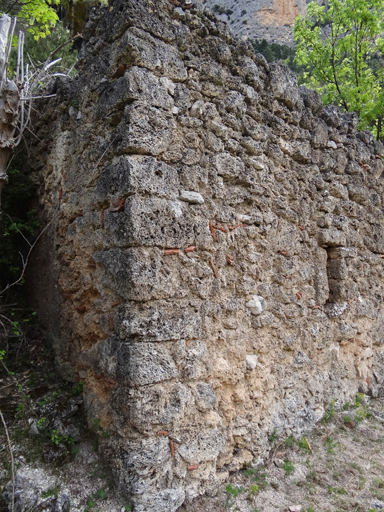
{"type": "Point", "coordinates": [135, 363]}
{"type": "Point", "coordinates": [159, 321]}
{"type": "Point", "coordinates": [331, 238]}
{"type": "Point", "coordinates": [205, 446]}
{"type": "Point", "coordinates": [234, 102]}
{"type": "Point", "coordinates": [154, 405]}
{"type": "Point", "coordinates": [256, 305]}
{"type": "Point", "coordinates": [154, 222]}
{"type": "Point", "coordinates": [205, 396]}
{"type": "Point", "coordinates": [151, 53]}
{"type": "Point", "coordinates": [137, 175]}
{"type": "Point", "coordinates": [283, 86]}
{"type": "Point", "coordinates": [358, 193]}
{"type": "Point", "coordinates": [136, 84]}
{"type": "Point", "coordinates": [227, 165]}
{"type": "Point", "coordinates": [138, 274]}
{"type": "Point", "coordinates": [145, 130]}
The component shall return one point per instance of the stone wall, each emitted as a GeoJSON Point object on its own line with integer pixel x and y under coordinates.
{"type": "Point", "coordinates": [214, 265]}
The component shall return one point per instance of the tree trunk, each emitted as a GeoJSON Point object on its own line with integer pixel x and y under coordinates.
{"type": "Point", "coordinates": [9, 104]}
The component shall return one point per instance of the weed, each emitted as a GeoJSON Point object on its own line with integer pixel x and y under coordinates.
{"type": "Point", "coordinates": [356, 466]}
{"type": "Point", "coordinates": [331, 444]}
{"type": "Point", "coordinates": [289, 442]}
{"type": "Point", "coordinates": [336, 491]}
{"type": "Point", "coordinates": [329, 413]}
{"type": "Point", "coordinates": [127, 508]}
{"type": "Point", "coordinates": [288, 467]}
{"type": "Point", "coordinates": [53, 491]}
{"type": "Point", "coordinates": [359, 400]}
{"type": "Point", "coordinates": [362, 482]}
{"type": "Point", "coordinates": [259, 476]}
{"type": "Point", "coordinates": [78, 388]}
{"type": "Point", "coordinates": [303, 444]}
{"type": "Point", "coordinates": [347, 419]}
{"type": "Point", "coordinates": [254, 489]}
{"type": "Point", "coordinates": [91, 502]}
{"type": "Point", "coordinates": [101, 494]}
{"type": "Point", "coordinates": [346, 406]}
{"type": "Point", "coordinates": [272, 438]}
{"type": "Point", "coordinates": [56, 438]}
{"type": "Point", "coordinates": [336, 475]}
{"type": "Point", "coordinates": [42, 423]}
{"type": "Point", "coordinates": [379, 483]}
{"type": "Point", "coordinates": [231, 490]}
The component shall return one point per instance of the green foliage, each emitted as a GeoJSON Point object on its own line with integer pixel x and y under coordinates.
{"type": "Point", "coordinates": [329, 413]}
{"type": "Point", "coordinates": [303, 444]}
{"type": "Point", "coordinates": [57, 438]}
{"type": "Point", "coordinates": [38, 51]}
{"type": "Point", "coordinates": [259, 476]}
{"type": "Point", "coordinates": [232, 493]}
{"type": "Point", "coordinates": [274, 51]}
{"type": "Point", "coordinates": [39, 16]}
{"type": "Point", "coordinates": [53, 491]}
{"type": "Point", "coordinates": [331, 444]}
{"type": "Point", "coordinates": [341, 47]}
{"type": "Point", "coordinates": [336, 491]}
{"type": "Point", "coordinates": [42, 423]}
{"type": "Point", "coordinates": [272, 438]}
{"type": "Point", "coordinates": [289, 442]}
{"type": "Point", "coordinates": [288, 467]}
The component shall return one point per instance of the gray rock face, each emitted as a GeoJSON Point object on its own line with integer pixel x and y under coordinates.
{"type": "Point", "coordinates": [216, 257]}
{"type": "Point", "coordinates": [272, 20]}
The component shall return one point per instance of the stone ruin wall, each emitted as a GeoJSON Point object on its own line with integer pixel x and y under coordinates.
{"type": "Point", "coordinates": [173, 135]}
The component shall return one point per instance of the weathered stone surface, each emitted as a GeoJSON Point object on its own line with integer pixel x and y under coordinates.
{"type": "Point", "coordinates": [214, 268]}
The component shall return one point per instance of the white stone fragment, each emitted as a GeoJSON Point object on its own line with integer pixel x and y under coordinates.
{"type": "Point", "coordinates": [79, 116]}
{"type": "Point", "coordinates": [175, 110]}
{"type": "Point", "coordinates": [256, 305]}
{"type": "Point", "coordinates": [168, 84]}
{"type": "Point", "coordinates": [251, 361]}
{"type": "Point", "coordinates": [257, 164]}
{"type": "Point", "coordinates": [197, 108]}
{"type": "Point", "coordinates": [191, 197]}
{"type": "Point", "coordinates": [177, 208]}
{"type": "Point", "coordinates": [332, 144]}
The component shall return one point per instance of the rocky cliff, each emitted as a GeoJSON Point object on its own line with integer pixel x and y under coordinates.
{"type": "Point", "coordinates": [214, 269]}
{"type": "Point", "coordinates": [272, 20]}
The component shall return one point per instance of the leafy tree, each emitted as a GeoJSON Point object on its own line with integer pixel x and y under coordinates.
{"type": "Point", "coordinates": [341, 47]}
{"type": "Point", "coordinates": [38, 16]}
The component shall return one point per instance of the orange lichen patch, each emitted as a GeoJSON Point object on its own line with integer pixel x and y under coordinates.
{"type": "Point", "coordinates": [191, 248]}
{"type": "Point", "coordinates": [192, 467]}
{"type": "Point", "coordinates": [168, 252]}
{"type": "Point", "coordinates": [172, 447]}
{"type": "Point", "coordinates": [163, 433]}
{"type": "Point", "coordinates": [238, 226]}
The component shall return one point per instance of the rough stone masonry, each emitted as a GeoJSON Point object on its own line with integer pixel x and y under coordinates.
{"type": "Point", "coordinates": [214, 269]}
